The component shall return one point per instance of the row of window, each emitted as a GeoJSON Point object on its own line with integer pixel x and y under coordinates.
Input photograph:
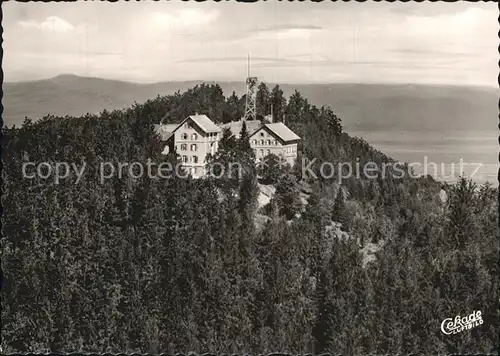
{"type": "Point", "coordinates": [263, 142]}
{"type": "Point", "coordinates": [194, 136]}
{"type": "Point", "coordinates": [287, 150]}
{"type": "Point", "coordinates": [190, 159]}
{"type": "Point", "coordinates": [260, 153]}
{"type": "Point", "coordinates": [194, 147]}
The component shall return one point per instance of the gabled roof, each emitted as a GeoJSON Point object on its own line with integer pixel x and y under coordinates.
{"type": "Point", "coordinates": [165, 131]}
{"type": "Point", "coordinates": [235, 126]}
{"type": "Point", "coordinates": [204, 123]}
{"type": "Point", "coordinates": [282, 131]}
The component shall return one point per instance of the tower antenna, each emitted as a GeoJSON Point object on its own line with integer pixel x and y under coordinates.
{"type": "Point", "coordinates": [251, 96]}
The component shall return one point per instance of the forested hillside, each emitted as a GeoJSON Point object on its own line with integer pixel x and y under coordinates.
{"type": "Point", "coordinates": [178, 265]}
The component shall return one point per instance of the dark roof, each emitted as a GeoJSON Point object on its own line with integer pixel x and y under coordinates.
{"type": "Point", "coordinates": [165, 131]}
{"type": "Point", "coordinates": [235, 126]}
{"type": "Point", "coordinates": [282, 131]}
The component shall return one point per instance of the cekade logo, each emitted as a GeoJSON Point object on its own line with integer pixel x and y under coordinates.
{"type": "Point", "coordinates": [450, 326]}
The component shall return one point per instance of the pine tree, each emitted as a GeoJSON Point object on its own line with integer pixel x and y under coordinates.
{"type": "Point", "coordinates": [322, 328]}
{"type": "Point", "coordinates": [333, 122]}
{"type": "Point", "coordinates": [245, 154]}
{"type": "Point", "coordinates": [316, 217]}
{"type": "Point", "coordinates": [227, 142]}
{"type": "Point", "coordinates": [233, 108]}
{"type": "Point", "coordinates": [263, 100]}
{"type": "Point", "coordinates": [271, 171]}
{"type": "Point", "coordinates": [339, 211]}
{"type": "Point", "coordinates": [244, 139]}
{"type": "Point", "coordinates": [278, 102]}
{"type": "Point", "coordinates": [288, 196]}
{"type": "Point", "coordinates": [462, 202]}
{"type": "Point", "coordinates": [221, 165]}
{"type": "Point", "coordinates": [248, 194]}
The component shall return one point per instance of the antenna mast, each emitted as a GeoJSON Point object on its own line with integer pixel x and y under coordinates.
{"type": "Point", "coordinates": [251, 97]}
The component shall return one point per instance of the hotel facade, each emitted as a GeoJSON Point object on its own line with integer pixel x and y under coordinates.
{"type": "Point", "coordinates": [197, 136]}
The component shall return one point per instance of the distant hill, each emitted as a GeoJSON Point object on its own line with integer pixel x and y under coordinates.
{"type": "Point", "coordinates": [75, 96]}
{"type": "Point", "coordinates": [361, 106]}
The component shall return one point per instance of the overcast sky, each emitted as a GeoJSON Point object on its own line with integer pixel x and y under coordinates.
{"type": "Point", "coordinates": [439, 43]}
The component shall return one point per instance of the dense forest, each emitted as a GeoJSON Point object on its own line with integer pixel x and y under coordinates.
{"type": "Point", "coordinates": [179, 265]}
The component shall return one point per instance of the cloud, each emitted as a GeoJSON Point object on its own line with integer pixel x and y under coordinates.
{"type": "Point", "coordinates": [432, 52]}
{"type": "Point", "coordinates": [286, 27]}
{"type": "Point", "coordinates": [352, 64]}
{"type": "Point", "coordinates": [444, 24]}
{"type": "Point", "coordinates": [424, 8]}
{"type": "Point", "coordinates": [281, 32]}
{"type": "Point", "coordinates": [235, 59]}
{"type": "Point", "coordinates": [51, 23]}
{"type": "Point", "coordinates": [186, 18]}
{"type": "Point", "coordinates": [299, 43]}
{"type": "Point", "coordinates": [283, 35]}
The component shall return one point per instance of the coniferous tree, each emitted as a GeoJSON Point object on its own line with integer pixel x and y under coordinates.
{"type": "Point", "coordinates": [243, 141]}
{"type": "Point", "coordinates": [222, 165]}
{"type": "Point", "coordinates": [233, 104]}
{"type": "Point", "coordinates": [339, 213]}
{"type": "Point", "coordinates": [288, 196]}
{"type": "Point", "coordinates": [245, 154]}
{"type": "Point", "coordinates": [461, 202]}
{"type": "Point", "coordinates": [316, 217]}
{"type": "Point", "coordinates": [278, 102]}
{"type": "Point", "coordinates": [248, 194]}
{"type": "Point", "coordinates": [227, 142]}
{"type": "Point", "coordinates": [272, 169]}
{"type": "Point", "coordinates": [332, 121]}
{"type": "Point", "coordinates": [263, 100]}
{"type": "Point", "coordinates": [322, 330]}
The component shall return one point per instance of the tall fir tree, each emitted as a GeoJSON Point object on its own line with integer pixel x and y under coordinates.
{"type": "Point", "coordinates": [248, 195]}
{"type": "Point", "coordinates": [263, 100]}
{"type": "Point", "coordinates": [288, 196]}
{"type": "Point", "coordinates": [462, 202]}
{"type": "Point", "coordinates": [245, 154]}
{"type": "Point", "coordinates": [322, 329]}
{"type": "Point", "coordinates": [339, 213]}
{"type": "Point", "coordinates": [278, 101]}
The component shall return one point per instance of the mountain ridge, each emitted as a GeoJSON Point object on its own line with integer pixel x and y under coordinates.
{"type": "Point", "coordinates": [75, 76]}
{"type": "Point", "coordinates": [362, 106]}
